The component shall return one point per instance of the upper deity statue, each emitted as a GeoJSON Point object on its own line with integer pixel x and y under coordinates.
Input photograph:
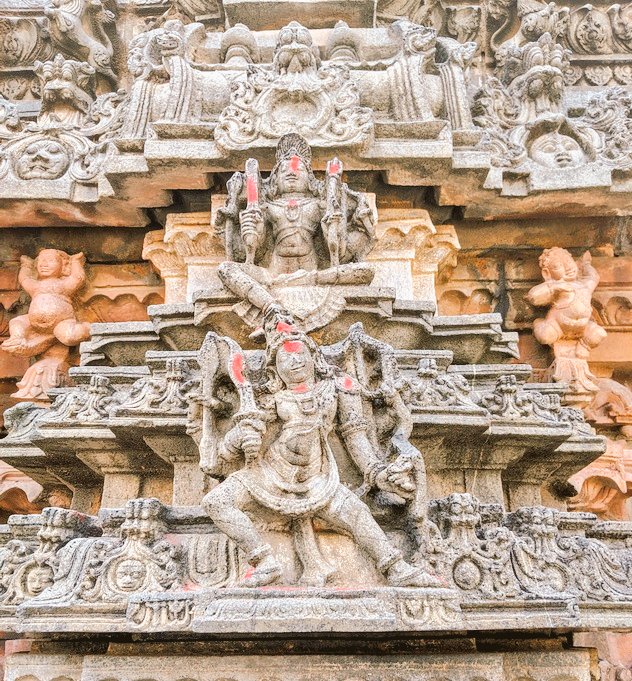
{"type": "Point", "coordinates": [293, 230]}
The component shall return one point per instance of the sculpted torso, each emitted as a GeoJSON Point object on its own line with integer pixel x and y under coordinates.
{"type": "Point", "coordinates": [294, 221]}
{"type": "Point", "coordinates": [573, 301]}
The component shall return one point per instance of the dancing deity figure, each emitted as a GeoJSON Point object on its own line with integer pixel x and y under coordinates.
{"type": "Point", "coordinates": [568, 328]}
{"type": "Point", "coordinates": [279, 449]}
{"type": "Point", "coordinates": [292, 238]}
{"type": "Point", "coordinates": [50, 327]}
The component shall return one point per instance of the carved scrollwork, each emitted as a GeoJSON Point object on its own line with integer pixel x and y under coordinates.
{"type": "Point", "coordinates": [297, 95]}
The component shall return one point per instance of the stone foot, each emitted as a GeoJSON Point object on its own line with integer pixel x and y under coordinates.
{"type": "Point", "coordinates": [266, 572]}
{"type": "Point", "coordinates": [403, 574]}
{"type": "Point", "coordinates": [316, 578]}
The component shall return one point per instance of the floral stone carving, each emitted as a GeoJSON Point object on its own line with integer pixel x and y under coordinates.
{"type": "Point", "coordinates": [50, 328]}
{"type": "Point", "coordinates": [567, 327]}
{"type": "Point", "coordinates": [297, 95]}
{"type": "Point", "coordinates": [294, 239]}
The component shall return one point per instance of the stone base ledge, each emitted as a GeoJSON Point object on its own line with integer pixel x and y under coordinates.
{"type": "Point", "coordinates": [572, 665]}
{"type": "Point", "coordinates": [238, 611]}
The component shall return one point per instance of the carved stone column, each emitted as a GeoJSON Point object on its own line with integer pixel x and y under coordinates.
{"type": "Point", "coordinates": [411, 252]}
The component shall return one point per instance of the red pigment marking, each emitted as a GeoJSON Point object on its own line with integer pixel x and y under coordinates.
{"type": "Point", "coordinates": [293, 346]}
{"type": "Point", "coordinates": [300, 388]}
{"type": "Point", "coordinates": [252, 190]}
{"type": "Point", "coordinates": [292, 203]}
{"type": "Point", "coordinates": [334, 167]}
{"type": "Point", "coordinates": [249, 573]}
{"type": "Point", "coordinates": [238, 368]}
{"type": "Point", "coordinates": [347, 383]}
{"type": "Point", "coordinates": [284, 327]}
{"type": "Point", "coordinates": [294, 161]}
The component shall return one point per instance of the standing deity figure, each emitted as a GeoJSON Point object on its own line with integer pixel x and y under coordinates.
{"type": "Point", "coordinates": [277, 455]}
{"type": "Point", "coordinates": [567, 327]}
{"type": "Point", "coordinates": [50, 327]}
{"type": "Point", "coordinates": [291, 238]}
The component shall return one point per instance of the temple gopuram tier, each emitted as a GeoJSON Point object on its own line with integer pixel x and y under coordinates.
{"type": "Point", "coordinates": [315, 340]}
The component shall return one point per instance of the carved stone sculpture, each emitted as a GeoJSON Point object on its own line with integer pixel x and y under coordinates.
{"type": "Point", "coordinates": [68, 139]}
{"type": "Point", "coordinates": [277, 453]}
{"type": "Point", "coordinates": [528, 129]}
{"type": "Point", "coordinates": [50, 328]}
{"type": "Point", "coordinates": [297, 95]}
{"type": "Point", "coordinates": [81, 27]}
{"type": "Point", "coordinates": [294, 239]}
{"type": "Point", "coordinates": [567, 327]}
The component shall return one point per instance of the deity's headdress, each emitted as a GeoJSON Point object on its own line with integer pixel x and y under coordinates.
{"type": "Point", "coordinates": [280, 328]}
{"type": "Point", "coordinates": [293, 144]}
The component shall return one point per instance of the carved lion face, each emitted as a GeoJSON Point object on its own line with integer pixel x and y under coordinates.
{"type": "Point", "coordinates": [554, 150]}
{"type": "Point", "coordinates": [130, 575]}
{"type": "Point", "coordinates": [45, 159]}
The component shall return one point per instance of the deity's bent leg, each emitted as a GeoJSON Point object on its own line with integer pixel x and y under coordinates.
{"type": "Point", "coordinates": [347, 512]}
{"type": "Point", "coordinates": [224, 506]}
{"type": "Point", "coordinates": [71, 332]}
{"type": "Point", "coordinates": [245, 285]}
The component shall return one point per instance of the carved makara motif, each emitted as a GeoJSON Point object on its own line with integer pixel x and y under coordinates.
{"type": "Point", "coordinates": [90, 404]}
{"type": "Point", "coordinates": [547, 562]}
{"type": "Point", "coordinates": [166, 393]}
{"type": "Point", "coordinates": [293, 239]}
{"type": "Point", "coordinates": [478, 560]}
{"type": "Point", "coordinates": [509, 401]}
{"type": "Point", "coordinates": [50, 328]}
{"type": "Point", "coordinates": [29, 566]}
{"type": "Point", "coordinates": [109, 569]}
{"type": "Point", "coordinates": [298, 94]}
{"type": "Point", "coordinates": [433, 388]}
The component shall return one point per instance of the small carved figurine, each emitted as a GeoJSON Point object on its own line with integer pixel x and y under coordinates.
{"type": "Point", "coordinates": [568, 328]}
{"type": "Point", "coordinates": [279, 449]}
{"type": "Point", "coordinates": [50, 327]}
{"type": "Point", "coordinates": [292, 230]}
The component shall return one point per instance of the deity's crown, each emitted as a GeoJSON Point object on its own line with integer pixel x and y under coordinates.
{"type": "Point", "coordinates": [293, 144]}
{"type": "Point", "coordinates": [280, 327]}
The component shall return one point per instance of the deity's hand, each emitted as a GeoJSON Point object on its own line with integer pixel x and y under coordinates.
{"type": "Point", "coordinates": [397, 477]}
{"type": "Point", "coordinates": [250, 436]}
{"type": "Point", "coordinates": [250, 223]}
{"type": "Point", "coordinates": [25, 261]}
{"type": "Point", "coordinates": [78, 257]}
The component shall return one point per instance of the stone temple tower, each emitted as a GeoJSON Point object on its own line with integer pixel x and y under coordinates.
{"type": "Point", "coordinates": [315, 340]}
